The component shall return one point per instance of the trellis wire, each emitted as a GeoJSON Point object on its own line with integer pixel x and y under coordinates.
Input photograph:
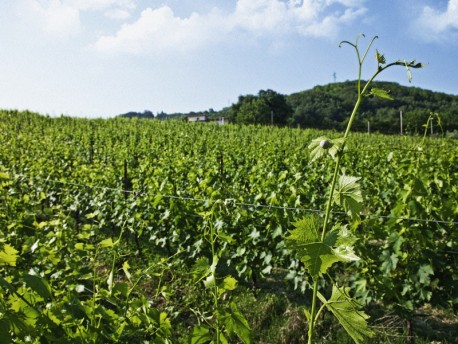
{"type": "Point", "coordinates": [243, 204]}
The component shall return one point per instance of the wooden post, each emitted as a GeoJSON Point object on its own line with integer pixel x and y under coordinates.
{"type": "Point", "coordinates": [410, 337]}
{"type": "Point", "coordinates": [400, 115]}
{"type": "Point", "coordinates": [368, 127]}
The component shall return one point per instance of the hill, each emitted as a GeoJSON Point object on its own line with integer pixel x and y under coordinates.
{"type": "Point", "coordinates": [328, 106]}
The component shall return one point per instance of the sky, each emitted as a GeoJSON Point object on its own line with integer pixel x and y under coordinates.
{"type": "Point", "coordinates": [101, 58]}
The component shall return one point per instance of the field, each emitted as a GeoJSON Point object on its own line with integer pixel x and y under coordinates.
{"type": "Point", "coordinates": [147, 231]}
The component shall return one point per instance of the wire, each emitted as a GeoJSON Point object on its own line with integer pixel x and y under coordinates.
{"type": "Point", "coordinates": [250, 205]}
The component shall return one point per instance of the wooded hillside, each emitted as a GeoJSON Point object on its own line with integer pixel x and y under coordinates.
{"type": "Point", "coordinates": [328, 106]}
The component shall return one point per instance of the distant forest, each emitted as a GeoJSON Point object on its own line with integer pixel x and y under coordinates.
{"type": "Point", "coordinates": [329, 106]}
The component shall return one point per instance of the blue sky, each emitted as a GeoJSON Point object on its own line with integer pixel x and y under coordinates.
{"type": "Point", "coordinates": [100, 58]}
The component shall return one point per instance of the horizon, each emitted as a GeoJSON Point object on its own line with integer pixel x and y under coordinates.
{"type": "Point", "coordinates": [102, 58]}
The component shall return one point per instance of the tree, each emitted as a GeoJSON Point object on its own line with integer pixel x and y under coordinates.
{"type": "Point", "coordinates": [268, 107]}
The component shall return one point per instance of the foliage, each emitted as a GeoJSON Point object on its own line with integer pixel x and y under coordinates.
{"type": "Point", "coordinates": [102, 222]}
{"type": "Point", "coordinates": [325, 106]}
{"type": "Point", "coordinates": [268, 107]}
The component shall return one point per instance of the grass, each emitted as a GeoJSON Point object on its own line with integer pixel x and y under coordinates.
{"type": "Point", "coordinates": [275, 313]}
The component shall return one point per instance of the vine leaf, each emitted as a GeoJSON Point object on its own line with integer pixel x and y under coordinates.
{"type": "Point", "coordinates": [344, 245]}
{"type": "Point", "coordinates": [107, 243]}
{"type": "Point", "coordinates": [424, 272]}
{"type": "Point", "coordinates": [235, 322]}
{"type": "Point", "coordinates": [348, 313]}
{"type": "Point", "coordinates": [380, 93]}
{"type": "Point", "coordinates": [201, 269]}
{"type": "Point", "coordinates": [380, 57]}
{"type": "Point", "coordinates": [200, 335]}
{"type": "Point", "coordinates": [322, 146]}
{"type": "Point", "coordinates": [348, 195]}
{"type": "Point", "coordinates": [39, 285]}
{"type": "Point", "coordinates": [229, 283]}
{"type": "Point", "coordinates": [305, 232]}
{"type": "Point", "coordinates": [389, 261]}
{"type": "Point", "coordinates": [8, 255]}
{"type": "Point", "coordinates": [318, 256]}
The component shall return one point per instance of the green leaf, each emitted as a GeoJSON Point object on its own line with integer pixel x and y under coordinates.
{"type": "Point", "coordinates": [346, 253]}
{"type": "Point", "coordinates": [209, 281]}
{"type": "Point", "coordinates": [318, 148]}
{"type": "Point", "coordinates": [322, 146]}
{"type": "Point", "coordinates": [226, 238]}
{"type": "Point", "coordinates": [380, 93]}
{"type": "Point", "coordinates": [305, 232]}
{"type": "Point", "coordinates": [222, 339]}
{"type": "Point", "coordinates": [80, 246]}
{"type": "Point", "coordinates": [121, 288]}
{"type": "Point", "coordinates": [201, 269]}
{"type": "Point", "coordinates": [235, 322]}
{"type": "Point", "coordinates": [380, 57]}
{"type": "Point", "coordinates": [396, 242]}
{"type": "Point", "coordinates": [106, 243]}
{"type": "Point", "coordinates": [38, 285]}
{"type": "Point", "coordinates": [348, 195]}
{"type": "Point", "coordinates": [331, 238]}
{"type": "Point", "coordinates": [125, 268]}
{"type": "Point", "coordinates": [344, 245]}
{"type": "Point", "coordinates": [424, 272]}
{"type": "Point", "coordinates": [8, 255]}
{"type": "Point", "coordinates": [200, 335]}
{"type": "Point", "coordinates": [4, 176]}
{"type": "Point", "coordinates": [318, 258]}
{"type": "Point", "coordinates": [229, 283]}
{"type": "Point", "coordinates": [348, 313]}
{"type": "Point", "coordinates": [5, 336]}
{"type": "Point", "coordinates": [389, 262]}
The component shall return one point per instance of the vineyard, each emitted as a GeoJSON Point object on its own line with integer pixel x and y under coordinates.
{"type": "Point", "coordinates": [147, 231]}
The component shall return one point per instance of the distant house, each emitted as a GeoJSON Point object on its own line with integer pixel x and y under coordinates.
{"type": "Point", "coordinates": [198, 118]}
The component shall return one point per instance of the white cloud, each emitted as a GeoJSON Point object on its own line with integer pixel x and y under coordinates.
{"type": "Point", "coordinates": [62, 18]}
{"type": "Point", "coordinates": [160, 30]}
{"type": "Point", "coordinates": [52, 17]}
{"type": "Point", "coordinates": [329, 26]}
{"type": "Point", "coordinates": [261, 15]}
{"type": "Point", "coordinates": [439, 25]}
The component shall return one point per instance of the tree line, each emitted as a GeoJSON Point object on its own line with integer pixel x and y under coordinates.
{"type": "Point", "coordinates": [327, 106]}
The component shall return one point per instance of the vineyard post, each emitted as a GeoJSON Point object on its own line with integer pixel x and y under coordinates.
{"type": "Point", "coordinates": [400, 118]}
{"type": "Point", "coordinates": [125, 182]}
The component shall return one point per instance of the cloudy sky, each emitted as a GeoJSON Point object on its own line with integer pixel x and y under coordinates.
{"type": "Point", "coordinates": [100, 58]}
